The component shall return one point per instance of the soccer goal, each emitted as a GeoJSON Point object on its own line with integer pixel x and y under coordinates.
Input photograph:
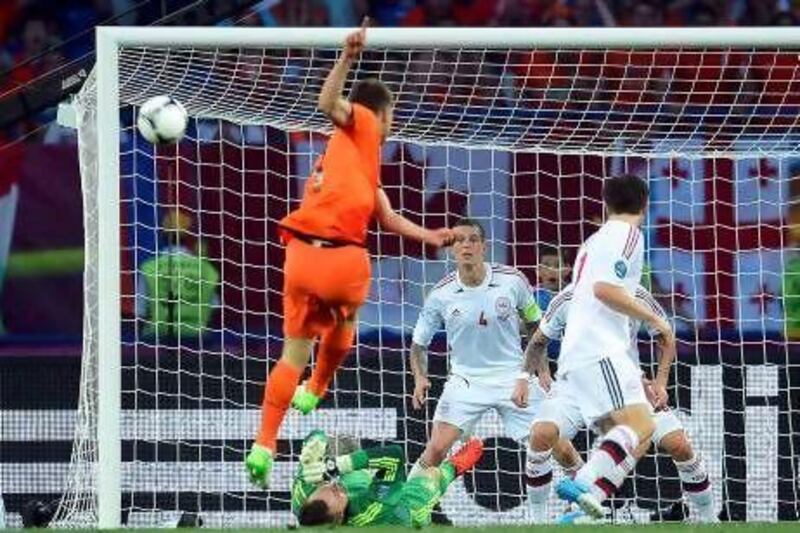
{"type": "Point", "coordinates": [515, 127]}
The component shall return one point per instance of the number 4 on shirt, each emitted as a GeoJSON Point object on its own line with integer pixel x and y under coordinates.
{"type": "Point", "coordinates": [482, 320]}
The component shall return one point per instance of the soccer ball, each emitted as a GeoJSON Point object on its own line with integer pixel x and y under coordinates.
{"type": "Point", "coordinates": [162, 120]}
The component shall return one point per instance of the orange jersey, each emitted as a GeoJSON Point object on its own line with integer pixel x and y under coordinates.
{"type": "Point", "coordinates": [339, 197]}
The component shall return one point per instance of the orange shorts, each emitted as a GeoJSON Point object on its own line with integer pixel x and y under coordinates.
{"type": "Point", "coordinates": [322, 287]}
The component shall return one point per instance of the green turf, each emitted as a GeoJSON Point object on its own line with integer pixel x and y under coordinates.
{"type": "Point", "coordinates": [782, 527]}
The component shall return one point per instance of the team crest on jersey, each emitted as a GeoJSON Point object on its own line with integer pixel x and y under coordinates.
{"type": "Point", "coordinates": [620, 269]}
{"type": "Point", "coordinates": [502, 306]}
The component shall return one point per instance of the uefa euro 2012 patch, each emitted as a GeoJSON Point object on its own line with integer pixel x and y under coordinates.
{"type": "Point", "coordinates": [620, 269]}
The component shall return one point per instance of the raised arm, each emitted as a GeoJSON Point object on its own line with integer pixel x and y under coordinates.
{"type": "Point", "coordinates": [392, 221]}
{"type": "Point", "coordinates": [331, 102]}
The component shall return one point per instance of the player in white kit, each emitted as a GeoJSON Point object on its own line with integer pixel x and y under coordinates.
{"type": "Point", "coordinates": [480, 305]}
{"type": "Point", "coordinates": [597, 384]}
{"type": "Point", "coordinates": [669, 435]}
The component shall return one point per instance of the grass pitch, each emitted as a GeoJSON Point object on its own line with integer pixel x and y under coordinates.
{"type": "Point", "coordinates": [782, 527]}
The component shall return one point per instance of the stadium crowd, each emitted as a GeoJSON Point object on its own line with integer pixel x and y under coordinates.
{"type": "Point", "coordinates": [33, 30]}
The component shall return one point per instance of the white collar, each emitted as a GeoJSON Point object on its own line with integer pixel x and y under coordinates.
{"type": "Point", "coordinates": [487, 279]}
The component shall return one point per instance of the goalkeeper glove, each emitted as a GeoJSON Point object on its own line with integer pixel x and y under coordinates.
{"type": "Point", "coordinates": [314, 449]}
{"type": "Point", "coordinates": [327, 469]}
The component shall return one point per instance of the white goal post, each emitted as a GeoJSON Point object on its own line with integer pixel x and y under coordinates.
{"type": "Point", "coordinates": [745, 141]}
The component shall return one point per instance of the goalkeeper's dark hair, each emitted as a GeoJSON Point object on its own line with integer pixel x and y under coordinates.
{"type": "Point", "coordinates": [625, 195]}
{"type": "Point", "coordinates": [314, 513]}
{"type": "Point", "coordinates": [372, 94]}
{"type": "Point", "coordinates": [472, 223]}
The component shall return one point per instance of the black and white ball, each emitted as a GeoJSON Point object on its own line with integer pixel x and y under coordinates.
{"type": "Point", "coordinates": [162, 120]}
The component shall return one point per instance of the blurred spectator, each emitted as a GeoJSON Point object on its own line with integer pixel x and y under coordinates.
{"type": "Point", "coordinates": [451, 13]}
{"type": "Point", "coordinates": [301, 13]}
{"type": "Point", "coordinates": [178, 287]}
{"type": "Point", "coordinates": [390, 12]}
{"type": "Point", "coordinates": [784, 18]}
{"type": "Point", "coordinates": [9, 11]}
{"type": "Point", "coordinates": [644, 14]}
{"type": "Point", "coordinates": [520, 13]}
{"type": "Point", "coordinates": [31, 53]}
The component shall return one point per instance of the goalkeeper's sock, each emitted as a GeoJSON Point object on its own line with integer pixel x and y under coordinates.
{"type": "Point", "coordinates": [538, 478]}
{"type": "Point", "coordinates": [448, 474]}
{"type": "Point", "coordinates": [610, 463]}
{"type": "Point", "coordinates": [697, 487]}
{"type": "Point", "coordinates": [277, 395]}
{"type": "Point", "coordinates": [418, 468]}
{"type": "Point", "coordinates": [334, 347]}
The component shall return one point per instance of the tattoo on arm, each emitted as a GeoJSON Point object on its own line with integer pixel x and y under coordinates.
{"type": "Point", "coordinates": [536, 354]}
{"type": "Point", "coordinates": [419, 360]}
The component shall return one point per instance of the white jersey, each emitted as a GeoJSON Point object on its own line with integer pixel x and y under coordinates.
{"type": "Point", "coordinates": [614, 255]}
{"type": "Point", "coordinates": [554, 320]}
{"type": "Point", "coordinates": [482, 323]}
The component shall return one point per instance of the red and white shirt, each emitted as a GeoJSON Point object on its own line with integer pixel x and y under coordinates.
{"type": "Point", "coordinates": [614, 255]}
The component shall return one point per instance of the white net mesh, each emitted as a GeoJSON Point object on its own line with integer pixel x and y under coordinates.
{"type": "Point", "coordinates": [520, 140]}
{"type": "Point", "coordinates": [565, 101]}
{"type": "Point", "coordinates": [78, 506]}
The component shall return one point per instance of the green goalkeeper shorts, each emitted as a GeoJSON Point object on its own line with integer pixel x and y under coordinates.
{"type": "Point", "coordinates": [419, 494]}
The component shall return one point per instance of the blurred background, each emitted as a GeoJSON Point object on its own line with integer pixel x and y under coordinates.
{"type": "Point", "coordinates": [730, 305]}
{"type": "Point", "coordinates": [47, 52]}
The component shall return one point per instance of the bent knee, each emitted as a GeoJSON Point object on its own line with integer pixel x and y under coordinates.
{"type": "Point", "coordinates": [677, 445]}
{"type": "Point", "coordinates": [544, 436]}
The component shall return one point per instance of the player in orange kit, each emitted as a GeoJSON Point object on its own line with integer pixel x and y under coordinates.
{"type": "Point", "coordinates": [327, 267]}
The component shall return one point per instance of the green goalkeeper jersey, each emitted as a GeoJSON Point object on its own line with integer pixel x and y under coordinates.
{"type": "Point", "coordinates": [181, 288]}
{"type": "Point", "coordinates": [791, 296]}
{"type": "Point", "coordinates": [376, 488]}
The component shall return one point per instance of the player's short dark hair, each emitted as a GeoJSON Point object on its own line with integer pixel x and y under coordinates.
{"type": "Point", "coordinates": [625, 195]}
{"type": "Point", "coordinates": [545, 249]}
{"type": "Point", "coordinates": [470, 222]}
{"type": "Point", "coordinates": [314, 513]}
{"type": "Point", "coordinates": [372, 94]}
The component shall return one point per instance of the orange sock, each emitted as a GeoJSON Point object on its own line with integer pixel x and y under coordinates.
{"type": "Point", "coordinates": [277, 396]}
{"type": "Point", "coordinates": [334, 347]}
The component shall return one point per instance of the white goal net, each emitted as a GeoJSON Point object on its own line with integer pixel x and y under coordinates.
{"type": "Point", "coordinates": [519, 138]}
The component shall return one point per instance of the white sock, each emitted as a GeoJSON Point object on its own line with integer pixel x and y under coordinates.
{"type": "Point", "coordinates": [538, 477]}
{"type": "Point", "coordinates": [610, 463]}
{"type": "Point", "coordinates": [602, 491]}
{"type": "Point", "coordinates": [417, 468]}
{"type": "Point", "coordinates": [697, 487]}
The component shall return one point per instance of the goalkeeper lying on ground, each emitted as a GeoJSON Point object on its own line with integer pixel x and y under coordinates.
{"type": "Point", "coordinates": [369, 486]}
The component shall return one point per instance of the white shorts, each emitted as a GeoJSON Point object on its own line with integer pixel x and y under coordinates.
{"type": "Point", "coordinates": [666, 422]}
{"type": "Point", "coordinates": [584, 395]}
{"type": "Point", "coordinates": [464, 402]}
